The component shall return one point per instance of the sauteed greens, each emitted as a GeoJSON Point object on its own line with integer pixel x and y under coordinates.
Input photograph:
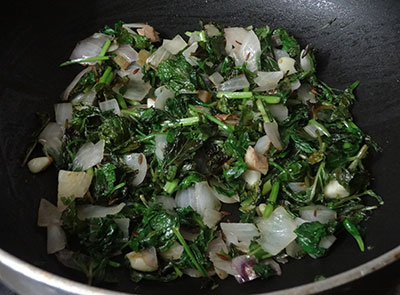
{"type": "Point", "coordinates": [219, 152]}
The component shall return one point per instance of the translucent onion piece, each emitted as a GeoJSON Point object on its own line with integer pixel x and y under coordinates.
{"type": "Point", "coordinates": [149, 32]}
{"type": "Point", "coordinates": [194, 37]}
{"type": "Point", "coordinates": [162, 94]}
{"type": "Point", "coordinates": [211, 217]}
{"type": "Point", "coordinates": [125, 56]}
{"type": "Point", "coordinates": [279, 111]}
{"type": "Point", "coordinates": [267, 80]}
{"type": "Point", "coordinates": [295, 85]}
{"type": "Point", "coordinates": [174, 253]}
{"type": "Point", "coordinates": [224, 199]}
{"type": "Point", "coordinates": [297, 187]}
{"type": "Point", "coordinates": [327, 242]}
{"type": "Point", "coordinates": [161, 144]}
{"type": "Point", "coordinates": [48, 214]}
{"type": "Point", "coordinates": [312, 130]}
{"type": "Point", "coordinates": [145, 261]}
{"type": "Point", "coordinates": [52, 130]}
{"type": "Point", "coordinates": [108, 105]}
{"type": "Point", "coordinates": [294, 250]}
{"type": "Point", "coordinates": [305, 95]}
{"type": "Point", "coordinates": [262, 145]}
{"type": "Point", "coordinates": [188, 54]}
{"type": "Point", "coordinates": [138, 162]}
{"type": "Point", "coordinates": [256, 161]}
{"type": "Point", "coordinates": [151, 102]}
{"type": "Point", "coordinates": [286, 64]}
{"type": "Point", "coordinates": [305, 62]}
{"type": "Point", "coordinates": [158, 56]}
{"type": "Point", "coordinates": [335, 190]}
{"type": "Point", "coordinates": [211, 30]}
{"type": "Point", "coordinates": [136, 88]}
{"type": "Point", "coordinates": [238, 83]}
{"type": "Point", "coordinates": [278, 53]}
{"type": "Point", "coordinates": [56, 238]}
{"type": "Point", "coordinates": [175, 45]}
{"type": "Point", "coordinates": [271, 129]}
{"type": "Point", "coordinates": [215, 247]}
{"type": "Point", "coordinates": [243, 265]}
{"type": "Point", "coordinates": [63, 113]}
{"type": "Point", "coordinates": [185, 198]}
{"type": "Point", "coordinates": [252, 178]}
{"type": "Point", "coordinates": [51, 139]}
{"type": "Point", "coordinates": [89, 47]}
{"type": "Point", "coordinates": [168, 203]}
{"type": "Point", "coordinates": [239, 234]}
{"type": "Point", "coordinates": [277, 231]}
{"type": "Point", "coordinates": [88, 155]}
{"type": "Point", "coordinates": [94, 211]}
{"type": "Point", "coordinates": [205, 198]}
{"type": "Point", "coordinates": [216, 78]}
{"type": "Point", "coordinates": [123, 225]}
{"type": "Point", "coordinates": [72, 185]}
{"type": "Point", "coordinates": [66, 257]}
{"type": "Point", "coordinates": [317, 213]}
{"type": "Point", "coordinates": [85, 98]}
{"type": "Point", "coordinates": [75, 81]}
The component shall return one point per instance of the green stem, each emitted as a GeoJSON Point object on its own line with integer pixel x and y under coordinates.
{"type": "Point", "coordinates": [105, 78]}
{"type": "Point", "coordinates": [276, 165]}
{"type": "Point", "coordinates": [360, 155]}
{"type": "Point", "coordinates": [79, 60]}
{"type": "Point", "coordinates": [121, 101]}
{"type": "Point", "coordinates": [234, 95]}
{"type": "Point", "coordinates": [225, 127]}
{"type": "Point", "coordinates": [105, 48]}
{"type": "Point", "coordinates": [182, 122]}
{"type": "Point", "coordinates": [262, 110]}
{"type": "Point", "coordinates": [314, 186]}
{"type": "Point", "coordinates": [268, 98]}
{"type": "Point", "coordinates": [170, 186]}
{"type": "Point", "coordinates": [352, 229]}
{"type": "Point", "coordinates": [320, 127]}
{"type": "Point", "coordinates": [271, 200]}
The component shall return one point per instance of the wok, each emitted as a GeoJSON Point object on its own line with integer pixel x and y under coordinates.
{"type": "Point", "coordinates": [362, 44]}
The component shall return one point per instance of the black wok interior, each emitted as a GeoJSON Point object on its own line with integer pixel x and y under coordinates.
{"type": "Point", "coordinates": [361, 44]}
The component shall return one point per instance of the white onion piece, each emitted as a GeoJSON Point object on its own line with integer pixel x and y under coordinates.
{"type": "Point", "coordinates": [215, 247]}
{"type": "Point", "coordinates": [168, 203]}
{"type": "Point", "coordinates": [123, 225]}
{"type": "Point", "coordinates": [295, 85]}
{"type": "Point", "coordinates": [52, 130]}
{"type": "Point", "coordinates": [286, 65]}
{"type": "Point", "coordinates": [297, 187]}
{"type": "Point", "coordinates": [294, 250]}
{"type": "Point", "coordinates": [211, 217]}
{"type": "Point", "coordinates": [89, 47]}
{"type": "Point", "coordinates": [56, 238]}
{"type": "Point", "coordinates": [224, 199]}
{"type": "Point", "coordinates": [174, 253]}
{"type": "Point", "coordinates": [187, 53]}
{"type": "Point", "coordinates": [175, 45]}
{"type": "Point", "coordinates": [194, 37]}
{"type": "Point", "coordinates": [243, 46]}
{"type": "Point", "coordinates": [137, 161]}
{"type": "Point", "coordinates": [145, 261]}
{"type": "Point", "coordinates": [133, 26]}
{"type": "Point", "coordinates": [211, 30]}
{"type": "Point", "coordinates": [127, 52]}
{"type": "Point", "coordinates": [85, 98]}
{"type": "Point", "coordinates": [151, 102]}
{"type": "Point", "coordinates": [256, 161]}
{"type": "Point", "coordinates": [305, 95]}
{"type": "Point", "coordinates": [205, 198]}
{"type": "Point", "coordinates": [95, 211]}
{"type": "Point", "coordinates": [109, 105]}
{"type": "Point", "coordinates": [39, 164]}
{"type": "Point", "coordinates": [277, 231]}
{"type": "Point", "coordinates": [327, 241]}
{"type": "Point", "coordinates": [267, 80]}
{"type": "Point", "coordinates": [149, 32]}
{"type": "Point", "coordinates": [238, 83]}
{"type": "Point", "coordinates": [72, 185]}
{"type": "Point", "coordinates": [271, 129]}
{"type": "Point", "coordinates": [335, 190]}
{"type": "Point", "coordinates": [113, 46]}
{"type": "Point", "coordinates": [216, 78]}
{"type": "Point", "coordinates": [162, 94]}
{"type": "Point", "coordinates": [158, 56]}
{"type": "Point", "coordinates": [317, 213]}
{"type": "Point", "coordinates": [243, 265]}
{"type": "Point", "coordinates": [48, 214]}
{"type": "Point", "coordinates": [279, 111]}
{"type": "Point", "coordinates": [136, 88]}
{"type": "Point", "coordinates": [262, 145]}
{"type": "Point", "coordinates": [186, 198]}
{"type": "Point", "coordinates": [278, 53]}
{"type": "Point", "coordinates": [75, 81]}
{"type": "Point", "coordinates": [88, 155]}
{"type": "Point", "coordinates": [252, 178]}
{"type": "Point", "coordinates": [305, 62]}
{"type": "Point", "coordinates": [161, 144]}
{"type": "Point", "coordinates": [239, 234]}
{"type": "Point", "coordinates": [51, 139]}
{"type": "Point", "coordinates": [63, 113]}
{"type": "Point", "coordinates": [312, 130]}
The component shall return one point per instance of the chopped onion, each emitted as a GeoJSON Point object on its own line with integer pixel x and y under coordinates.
{"type": "Point", "coordinates": [133, 26]}
{"type": "Point", "coordinates": [211, 30]}
{"type": "Point", "coordinates": [335, 190]}
{"type": "Point", "coordinates": [211, 217]}
{"type": "Point", "coordinates": [327, 241]}
{"type": "Point", "coordinates": [297, 187]}
{"type": "Point", "coordinates": [149, 32]}
{"type": "Point", "coordinates": [295, 85]}
{"type": "Point", "coordinates": [262, 145]}
{"type": "Point", "coordinates": [137, 88]}
{"type": "Point", "coordinates": [168, 203]}
{"type": "Point", "coordinates": [52, 130]}
{"type": "Point", "coordinates": [123, 225]}
{"type": "Point", "coordinates": [286, 64]}
{"type": "Point", "coordinates": [238, 83]}
{"type": "Point", "coordinates": [56, 238]}
{"type": "Point", "coordinates": [158, 56]}
{"type": "Point", "coordinates": [63, 113]}
{"type": "Point", "coordinates": [243, 265]}
{"type": "Point", "coordinates": [51, 139]}
{"type": "Point", "coordinates": [85, 98]}
{"type": "Point", "coordinates": [278, 53]}
{"type": "Point", "coordinates": [243, 46]}
{"type": "Point", "coordinates": [145, 261]}
{"type": "Point", "coordinates": [279, 111]}
{"type": "Point", "coordinates": [252, 178]}
{"type": "Point", "coordinates": [95, 211]}
{"type": "Point", "coordinates": [317, 213]}
{"type": "Point", "coordinates": [256, 161]}
{"type": "Point", "coordinates": [188, 54]}
{"type": "Point", "coordinates": [205, 198]}
{"type": "Point", "coordinates": [294, 250]}
{"type": "Point", "coordinates": [125, 56]}
{"type": "Point", "coordinates": [48, 214]}
{"type": "Point", "coordinates": [267, 80]}
{"type": "Point", "coordinates": [113, 46]}
{"type": "Point", "coordinates": [174, 253]}
{"type": "Point", "coordinates": [39, 164]}
{"type": "Point", "coordinates": [109, 105]}
{"type": "Point", "coordinates": [277, 231]}
{"type": "Point", "coordinates": [271, 129]}
{"type": "Point", "coordinates": [88, 155]}
{"type": "Point", "coordinates": [151, 102]}
{"type": "Point", "coordinates": [137, 161]}
{"type": "Point", "coordinates": [305, 62]}
{"type": "Point", "coordinates": [89, 47]}
{"type": "Point", "coordinates": [239, 234]}
{"type": "Point", "coordinates": [224, 199]}
{"type": "Point", "coordinates": [175, 45]}
{"type": "Point", "coordinates": [194, 37]}
{"type": "Point", "coordinates": [162, 94]}
{"type": "Point", "coordinates": [305, 95]}
{"type": "Point", "coordinates": [161, 144]}
{"type": "Point", "coordinates": [72, 185]}
{"type": "Point", "coordinates": [312, 130]}
{"type": "Point", "coordinates": [221, 266]}
{"type": "Point", "coordinates": [75, 81]}
{"type": "Point", "coordinates": [216, 78]}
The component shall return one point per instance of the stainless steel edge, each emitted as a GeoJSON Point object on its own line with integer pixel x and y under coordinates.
{"type": "Point", "coordinates": [26, 279]}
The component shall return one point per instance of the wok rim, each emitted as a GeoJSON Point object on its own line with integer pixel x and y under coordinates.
{"type": "Point", "coordinates": [56, 282]}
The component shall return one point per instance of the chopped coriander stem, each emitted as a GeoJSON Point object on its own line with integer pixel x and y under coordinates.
{"type": "Point", "coordinates": [320, 127]}
{"type": "Point", "coordinates": [352, 229]}
{"type": "Point", "coordinates": [268, 98]}
{"type": "Point", "coordinates": [202, 36]}
{"type": "Point", "coordinates": [105, 78]}
{"type": "Point", "coordinates": [262, 110]}
{"type": "Point", "coordinates": [266, 187]}
{"type": "Point", "coordinates": [114, 264]}
{"type": "Point", "coordinates": [360, 155]}
{"type": "Point", "coordinates": [105, 47]}
{"type": "Point", "coordinates": [276, 165]}
{"type": "Point", "coordinates": [79, 60]}
{"type": "Point", "coordinates": [182, 122]}
{"type": "Point", "coordinates": [234, 95]}
{"type": "Point", "coordinates": [271, 200]}
{"type": "Point", "coordinates": [188, 251]}
{"type": "Point", "coordinates": [130, 113]}
{"type": "Point", "coordinates": [170, 186]}
{"type": "Point", "coordinates": [315, 183]}
{"type": "Point", "coordinates": [121, 101]}
{"type": "Point", "coordinates": [225, 127]}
